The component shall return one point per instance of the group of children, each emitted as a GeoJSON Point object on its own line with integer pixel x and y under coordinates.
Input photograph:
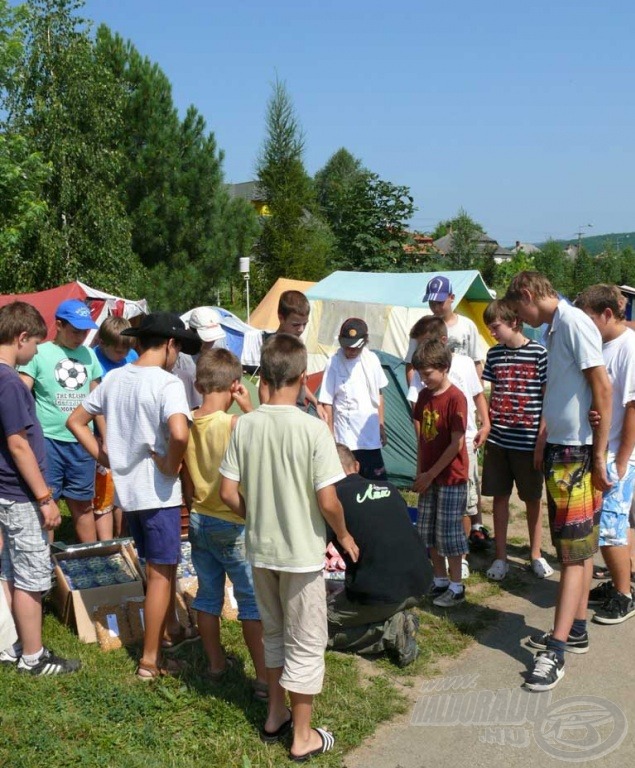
{"type": "Point", "coordinates": [261, 487]}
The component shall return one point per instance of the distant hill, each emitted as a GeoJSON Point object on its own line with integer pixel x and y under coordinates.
{"type": "Point", "coordinates": [597, 243]}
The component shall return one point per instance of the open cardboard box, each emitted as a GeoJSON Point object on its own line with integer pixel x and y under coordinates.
{"type": "Point", "coordinates": [76, 606]}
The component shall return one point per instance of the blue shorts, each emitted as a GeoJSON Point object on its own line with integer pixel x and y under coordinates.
{"type": "Point", "coordinates": [218, 549]}
{"type": "Point", "coordinates": [70, 470]}
{"type": "Point", "coordinates": [157, 534]}
{"type": "Point", "coordinates": [616, 507]}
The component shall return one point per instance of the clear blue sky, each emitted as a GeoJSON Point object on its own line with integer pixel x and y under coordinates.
{"type": "Point", "coordinates": [524, 116]}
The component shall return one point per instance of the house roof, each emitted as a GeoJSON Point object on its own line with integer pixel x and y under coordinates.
{"type": "Point", "coordinates": [483, 241]}
{"type": "Point", "coordinates": [527, 248]}
{"type": "Point", "coordinates": [247, 190]}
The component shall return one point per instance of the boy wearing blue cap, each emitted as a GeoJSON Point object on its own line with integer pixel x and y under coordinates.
{"type": "Point", "coordinates": [60, 376]}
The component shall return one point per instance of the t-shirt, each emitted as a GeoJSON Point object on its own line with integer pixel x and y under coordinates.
{"type": "Point", "coordinates": [137, 402]}
{"type": "Point", "coordinates": [518, 377]}
{"type": "Point", "coordinates": [185, 369]}
{"type": "Point", "coordinates": [17, 414]}
{"type": "Point", "coordinates": [619, 357]}
{"type": "Point", "coordinates": [462, 338]}
{"type": "Point", "coordinates": [206, 448]}
{"type": "Point", "coordinates": [281, 457]}
{"type": "Point", "coordinates": [439, 416]}
{"type": "Point", "coordinates": [107, 364]}
{"type": "Point", "coordinates": [392, 564]}
{"type": "Point", "coordinates": [352, 387]}
{"type": "Point", "coordinates": [61, 380]}
{"type": "Point", "coordinates": [463, 375]}
{"type": "Point", "coordinates": [574, 344]}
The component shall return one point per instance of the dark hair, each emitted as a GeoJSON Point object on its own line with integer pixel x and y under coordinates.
{"type": "Point", "coordinates": [429, 325]}
{"type": "Point", "coordinates": [532, 281]}
{"type": "Point", "coordinates": [432, 354]}
{"type": "Point", "coordinates": [154, 342]}
{"type": "Point", "coordinates": [291, 302]}
{"type": "Point", "coordinates": [19, 317]}
{"type": "Point", "coordinates": [283, 360]}
{"type": "Point", "coordinates": [217, 369]}
{"type": "Point", "coordinates": [597, 298]}
{"type": "Point", "coordinates": [109, 332]}
{"type": "Point", "coordinates": [500, 311]}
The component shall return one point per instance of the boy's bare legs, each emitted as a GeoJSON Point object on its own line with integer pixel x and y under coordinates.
{"type": "Point", "coordinates": [439, 567]}
{"type": "Point", "coordinates": [103, 526]}
{"type": "Point", "coordinates": [158, 597]}
{"type": "Point", "coordinates": [454, 563]}
{"type": "Point", "coordinates": [500, 511]}
{"type": "Point", "coordinates": [618, 561]}
{"type": "Point", "coordinates": [209, 630]}
{"type": "Point", "coordinates": [83, 519]}
{"type": "Point", "coordinates": [172, 625]}
{"type": "Point", "coordinates": [573, 596]}
{"type": "Point", "coordinates": [118, 522]}
{"type": "Point", "coordinates": [252, 634]}
{"type": "Point", "coordinates": [534, 527]}
{"type": "Point", "coordinates": [26, 608]}
{"type": "Point", "coordinates": [305, 739]}
{"type": "Point", "coordinates": [631, 542]}
{"type": "Point", "coordinates": [277, 712]}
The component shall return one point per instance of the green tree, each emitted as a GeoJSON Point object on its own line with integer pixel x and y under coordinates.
{"type": "Point", "coordinates": [446, 226]}
{"type": "Point", "coordinates": [627, 258]}
{"type": "Point", "coordinates": [292, 243]}
{"type": "Point", "coordinates": [585, 272]}
{"type": "Point", "coordinates": [556, 266]}
{"type": "Point", "coordinates": [366, 214]}
{"type": "Point", "coordinates": [463, 253]}
{"type": "Point", "coordinates": [67, 105]}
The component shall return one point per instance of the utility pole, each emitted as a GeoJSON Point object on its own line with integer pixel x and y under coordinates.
{"type": "Point", "coordinates": [579, 233]}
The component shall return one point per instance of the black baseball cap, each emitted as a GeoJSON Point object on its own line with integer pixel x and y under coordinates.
{"type": "Point", "coordinates": [353, 333]}
{"type": "Point", "coordinates": [166, 325]}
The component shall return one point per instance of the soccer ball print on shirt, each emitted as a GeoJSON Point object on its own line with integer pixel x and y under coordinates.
{"type": "Point", "coordinates": [71, 374]}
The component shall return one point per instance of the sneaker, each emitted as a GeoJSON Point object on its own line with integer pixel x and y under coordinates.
{"type": "Point", "coordinates": [465, 570]}
{"type": "Point", "coordinates": [574, 644]}
{"type": "Point", "coordinates": [479, 538]}
{"type": "Point", "coordinates": [7, 659]}
{"type": "Point", "coordinates": [541, 568]}
{"type": "Point", "coordinates": [600, 594]}
{"type": "Point", "coordinates": [449, 598]}
{"type": "Point", "coordinates": [406, 641]}
{"type": "Point", "coordinates": [49, 664]}
{"type": "Point", "coordinates": [547, 672]}
{"type": "Point", "coordinates": [435, 591]}
{"type": "Point", "coordinates": [615, 610]}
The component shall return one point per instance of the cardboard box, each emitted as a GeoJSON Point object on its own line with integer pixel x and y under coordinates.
{"type": "Point", "coordinates": [76, 606]}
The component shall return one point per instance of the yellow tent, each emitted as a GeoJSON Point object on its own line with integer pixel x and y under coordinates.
{"type": "Point", "coordinates": [265, 316]}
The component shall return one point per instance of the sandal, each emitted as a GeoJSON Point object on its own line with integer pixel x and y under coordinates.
{"type": "Point", "coordinates": [260, 691]}
{"type": "Point", "coordinates": [498, 570]}
{"type": "Point", "coordinates": [541, 568]}
{"type": "Point", "coordinates": [271, 737]}
{"type": "Point", "coordinates": [231, 662]}
{"type": "Point", "coordinates": [179, 639]}
{"type": "Point", "coordinates": [328, 742]}
{"type": "Point", "coordinates": [169, 668]}
{"type": "Point", "coordinates": [601, 572]}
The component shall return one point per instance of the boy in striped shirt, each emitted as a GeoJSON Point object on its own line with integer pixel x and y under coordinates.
{"type": "Point", "coordinates": [517, 370]}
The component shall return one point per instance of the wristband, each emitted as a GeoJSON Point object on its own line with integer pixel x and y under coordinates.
{"type": "Point", "coordinates": [45, 501]}
{"type": "Point", "coordinates": [47, 496]}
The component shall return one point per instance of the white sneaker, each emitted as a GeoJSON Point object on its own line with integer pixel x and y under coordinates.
{"type": "Point", "coordinates": [541, 568]}
{"type": "Point", "coordinates": [465, 570]}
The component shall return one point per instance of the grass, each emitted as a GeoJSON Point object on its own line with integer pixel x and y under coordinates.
{"type": "Point", "coordinates": [104, 717]}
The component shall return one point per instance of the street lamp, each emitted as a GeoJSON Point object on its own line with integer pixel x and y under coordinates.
{"type": "Point", "coordinates": [243, 265]}
{"type": "Point", "coordinates": [580, 232]}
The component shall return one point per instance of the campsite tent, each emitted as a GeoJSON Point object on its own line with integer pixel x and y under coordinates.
{"type": "Point", "coordinates": [390, 303]}
{"type": "Point", "coordinates": [101, 304]}
{"type": "Point", "coordinates": [243, 340]}
{"type": "Point", "coordinates": [265, 316]}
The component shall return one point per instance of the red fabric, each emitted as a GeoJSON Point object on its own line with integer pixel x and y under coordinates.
{"type": "Point", "coordinates": [438, 417]}
{"type": "Point", "coordinates": [47, 302]}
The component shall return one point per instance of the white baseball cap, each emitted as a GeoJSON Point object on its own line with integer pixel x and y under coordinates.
{"type": "Point", "coordinates": [206, 322]}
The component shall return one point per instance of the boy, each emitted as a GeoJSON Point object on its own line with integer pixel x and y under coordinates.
{"type": "Point", "coordinates": [216, 533]}
{"type": "Point", "coordinates": [442, 470]}
{"type": "Point", "coordinates": [352, 398]}
{"type": "Point", "coordinates": [61, 375]}
{"type": "Point", "coordinates": [574, 461]}
{"type": "Point", "coordinates": [148, 428]}
{"type": "Point", "coordinates": [27, 507]}
{"type": "Point", "coordinates": [293, 316]}
{"type": "Point", "coordinates": [287, 493]}
{"type": "Point", "coordinates": [517, 370]}
{"type": "Point", "coordinates": [463, 375]}
{"type": "Point", "coordinates": [604, 304]}
{"type": "Point", "coordinates": [462, 332]}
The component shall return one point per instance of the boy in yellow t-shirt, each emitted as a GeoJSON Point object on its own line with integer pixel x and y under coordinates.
{"type": "Point", "coordinates": [216, 534]}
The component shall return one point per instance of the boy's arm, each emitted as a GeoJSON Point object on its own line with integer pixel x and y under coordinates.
{"type": "Point", "coordinates": [77, 423]}
{"type": "Point", "coordinates": [231, 496]}
{"type": "Point", "coordinates": [539, 448]}
{"type": "Point", "coordinates": [333, 513]}
{"type": "Point", "coordinates": [482, 411]}
{"type": "Point", "coordinates": [28, 380]}
{"type": "Point", "coordinates": [187, 486]}
{"type": "Point", "coordinates": [601, 390]}
{"type": "Point", "coordinates": [328, 412]}
{"type": "Point", "coordinates": [321, 412]}
{"type": "Point", "coordinates": [382, 426]}
{"type": "Point", "coordinates": [241, 396]}
{"type": "Point", "coordinates": [179, 433]}
{"type": "Point", "coordinates": [627, 440]}
{"type": "Point", "coordinates": [26, 463]}
{"type": "Point", "coordinates": [424, 480]}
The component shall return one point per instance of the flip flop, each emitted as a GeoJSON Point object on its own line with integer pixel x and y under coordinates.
{"type": "Point", "coordinates": [271, 737]}
{"type": "Point", "coordinates": [328, 742]}
{"type": "Point", "coordinates": [601, 572]}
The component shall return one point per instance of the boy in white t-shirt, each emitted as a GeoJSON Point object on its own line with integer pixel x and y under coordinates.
{"type": "Point", "coordinates": [352, 398]}
{"type": "Point", "coordinates": [604, 304]}
{"type": "Point", "coordinates": [147, 414]}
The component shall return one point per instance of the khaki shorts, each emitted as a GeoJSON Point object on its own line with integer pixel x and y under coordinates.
{"type": "Point", "coordinates": [472, 483]}
{"type": "Point", "coordinates": [293, 612]}
{"type": "Point", "coordinates": [502, 467]}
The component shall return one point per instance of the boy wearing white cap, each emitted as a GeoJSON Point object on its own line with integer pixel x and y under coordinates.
{"type": "Point", "coordinates": [206, 322]}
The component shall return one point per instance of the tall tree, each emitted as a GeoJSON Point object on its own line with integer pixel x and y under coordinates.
{"type": "Point", "coordinates": [67, 105]}
{"type": "Point", "coordinates": [292, 242]}
{"type": "Point", "coordinates": [552, 261]}
{"type": "Point", "coordinates": [463, 253]}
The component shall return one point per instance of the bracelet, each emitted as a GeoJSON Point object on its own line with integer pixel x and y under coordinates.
{"type": "Point", "coordinates": [46, 500]}
{"type": "Point", "coordinates": [48, 496]}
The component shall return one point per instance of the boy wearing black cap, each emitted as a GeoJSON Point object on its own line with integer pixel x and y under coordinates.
{"type": "Point", "coordinates": [61, 375]}
{"type": "Point", "coordinates": [147, 414]}
{"type": "Point", "coordinates": [352, 398]}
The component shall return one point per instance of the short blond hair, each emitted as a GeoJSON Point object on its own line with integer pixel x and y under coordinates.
{"type": "Point", "coordinates": [532, 281]}
{"type": "Point", "coordinates": [109, 332]}
{"type": "Point", "coordinates": [597, 298]}
{"type": "Point", "coordinates": [216, 370]}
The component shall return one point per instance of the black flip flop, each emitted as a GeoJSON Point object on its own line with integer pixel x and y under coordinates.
{"type": "Point", "coordinates": [328, 742]}
{"type": "Point", "coordinates": [601, 572]}
{"type": "Point", "coordinates": [271, 737]}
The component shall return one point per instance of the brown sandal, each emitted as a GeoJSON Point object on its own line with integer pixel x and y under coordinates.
{"type": "Point", "coordinates": [169, 668]}
{"type": "Point", "coordinates": [260, 691]}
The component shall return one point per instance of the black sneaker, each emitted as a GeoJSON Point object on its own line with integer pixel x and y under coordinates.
{"type": "Point", "coordinates": [406, 645]}
{"type": "Point", "coordinates": [547, 672]}
{"type": "Point", "coordinates": [435, 591]}
{"type": "Point", "coordinates": [615, 610]}
{"type": "Point", "coordinates": [574, 644]}
{"type": "Point", "coordinates": [448, 598]}
{"type": "Point", "coordinates": [479, 538]}
{"type": "Point", "coordinates": [49, 664]}
{"type": "Point", "coordinates": [600, 594]}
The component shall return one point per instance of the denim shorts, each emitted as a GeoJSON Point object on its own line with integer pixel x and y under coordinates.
{"type": "Point", "coordinates": [218, 550]}
{"type": "Point", "coordinates": [616, 507]}
{"type": "Point", "coordinates": [70, 470]}
{"type": "Point", "coordinates": [157, 534]}
{"type": "Point", "coordinates": [26, 557]}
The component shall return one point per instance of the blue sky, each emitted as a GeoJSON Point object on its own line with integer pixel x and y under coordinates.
{"type": "Point", "coordinates": [524, 116]}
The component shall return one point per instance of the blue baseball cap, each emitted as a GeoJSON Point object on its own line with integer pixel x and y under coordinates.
{"type": "Point", "coordinates": [76, 313]}
{"type": "Point", "coordinates": [438, 289]}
